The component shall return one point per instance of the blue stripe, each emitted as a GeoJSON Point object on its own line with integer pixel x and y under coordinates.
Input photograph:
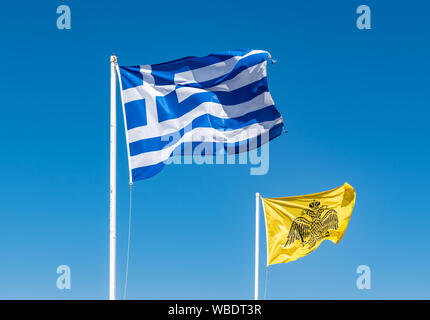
{"type": "Point", "coordinates": [274, 132]}
{"type": "Point", "coordinates": [164, 73]}
{"type": "Point", "coordinates": [191, 63]}
{"type": "Point", "coordinates": [166, 77]}
{"type": "Point", "coordinates": [135, 113]}
{"type": "Point", "coordinates": [149, 171]}
{"type": "Point", "coordinates": [188, 148]}
{"type": "Point", "coordinates": [130, 77]}
{"type": "Point", "coordinates": [168, 106]}
{"type": "Point", "coordinates": [240, 66]}
{"type": "Point", "coordinates": [146, 172]}
{"type": "Point", "coordinates": [204, 121]}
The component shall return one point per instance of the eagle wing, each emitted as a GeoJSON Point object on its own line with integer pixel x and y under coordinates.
{"type": "Point", "coordinates": [300, 229]}
{"type": "Point", "coordinates": [322, 209]}
{"type": "Point", "coordinates": [330, 220]}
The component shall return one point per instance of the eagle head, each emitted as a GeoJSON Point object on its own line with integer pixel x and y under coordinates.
{"type": "Point", "coordinates": [314, 205]}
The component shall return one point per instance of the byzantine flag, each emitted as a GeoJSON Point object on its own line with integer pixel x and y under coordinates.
{"type": "Point", "coordinates": [297, 225]}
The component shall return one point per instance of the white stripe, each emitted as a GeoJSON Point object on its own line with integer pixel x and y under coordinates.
{"type": "Point", "coordinates": [206, 135]}
{"type": "Point", "coordinates": [247, 76]}
{"type": "Point", "coordinates": [211, 71]}
{"type": "Point", "coordinates": [225, 112]}
{"type": "Point", "coordinates": [146, 72]}
{"type": "Point", "coordinates": [140, 92]}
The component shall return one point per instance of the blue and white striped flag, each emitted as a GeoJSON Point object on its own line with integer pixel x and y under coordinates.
{"type": "Point", "coordinates": [220, 101]}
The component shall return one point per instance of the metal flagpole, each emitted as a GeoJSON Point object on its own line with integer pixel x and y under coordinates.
{"type": "Point", "coordinates": [257, 243]}
{"type": "Point", "coordinates": [112, 229]}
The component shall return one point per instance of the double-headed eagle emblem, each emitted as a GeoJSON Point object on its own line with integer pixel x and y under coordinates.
{"type": "Point", "coordinates": [310, 231]}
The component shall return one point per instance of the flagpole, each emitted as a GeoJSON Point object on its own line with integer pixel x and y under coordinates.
{"type": "Point", "coordinates": [112, 211]}
{"type": "Point", "coordinates": [257, 243]}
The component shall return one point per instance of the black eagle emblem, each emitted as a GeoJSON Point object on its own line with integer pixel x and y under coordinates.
{"type": "Point", "coordinates": [310, 231]}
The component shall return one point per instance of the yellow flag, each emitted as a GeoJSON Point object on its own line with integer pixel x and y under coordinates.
{"type": "Point", "coordinates": [297, 225]}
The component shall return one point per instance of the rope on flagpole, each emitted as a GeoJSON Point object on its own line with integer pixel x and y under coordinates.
{"type": "Point", "coordinates": [265, 282]}
{"type": "Point", "coordinates": [128, 244]}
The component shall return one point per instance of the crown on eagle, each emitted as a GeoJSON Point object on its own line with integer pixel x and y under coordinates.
{"type": "Point", "coordinates": [314, 204]}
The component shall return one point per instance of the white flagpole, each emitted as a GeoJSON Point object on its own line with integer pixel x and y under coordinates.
{"type": "Point", "coordinates": [112, 229]}
{"type": "Point", "coordinates": [257, 243]}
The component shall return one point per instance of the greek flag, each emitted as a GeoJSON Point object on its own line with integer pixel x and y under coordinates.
{"type": "Point", "coordinates": [213, 105]}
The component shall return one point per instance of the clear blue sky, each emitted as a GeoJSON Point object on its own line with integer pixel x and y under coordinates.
{"type": "Point", "coordinates": [355, 102]}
